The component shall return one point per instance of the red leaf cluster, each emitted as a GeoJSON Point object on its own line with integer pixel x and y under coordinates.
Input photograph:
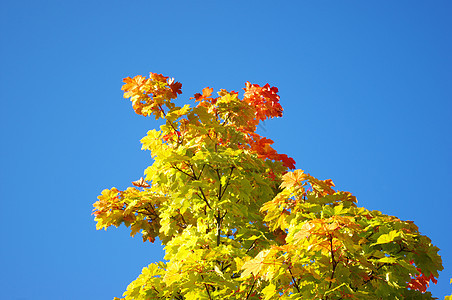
{"type": "Point", "coordinates": [265, 100]}
{"type": "Point", "coordinates": [421, 282]}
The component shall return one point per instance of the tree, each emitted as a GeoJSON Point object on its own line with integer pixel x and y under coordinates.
{"type": "Point", "coordinates": [236, 223]}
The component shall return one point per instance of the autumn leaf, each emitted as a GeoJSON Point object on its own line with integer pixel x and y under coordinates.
{"type": "Point", "coordinates": [294, 178]}
{"type": "Point", "coordinates": [254, 266]}
{"type": "Point", "coordinates": [176, 88]}
{"type": "Point", "coordinates": [158, 77]}
{"type": "Point", "coordinates": [304, 231]}
{"type": "Point", "coordinates": [140, 183]}
{"type": "Point", "coordinates": [132, 85]}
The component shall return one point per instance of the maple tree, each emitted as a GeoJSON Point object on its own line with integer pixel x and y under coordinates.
{"type": "Point", "coordinates": [236, 219]}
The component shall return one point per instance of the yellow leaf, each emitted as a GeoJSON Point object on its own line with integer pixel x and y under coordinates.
{"type": "Point", "coordinates": [304, 231]}
{"type": "Point", "coordinates": [269, 291]}
{"type": "Point", "coordinates": [254, 266]}
{"type": "Point", "coordinates": [291, 179]}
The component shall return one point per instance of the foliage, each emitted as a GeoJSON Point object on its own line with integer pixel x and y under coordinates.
{"type": "Point", "coordinates": [237, 224]}
{"type": "Point", "coordinates": [450, 296]}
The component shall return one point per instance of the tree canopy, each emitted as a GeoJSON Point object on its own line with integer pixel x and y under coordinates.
{"type": "Point", "coordinates": [236, 219]}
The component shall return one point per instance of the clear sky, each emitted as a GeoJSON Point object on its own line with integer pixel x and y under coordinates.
{"type": "Point", "coordinates": [366, 87]}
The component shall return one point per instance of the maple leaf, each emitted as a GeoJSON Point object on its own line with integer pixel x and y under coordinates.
{"type": "Point", "coordinates": [294, 178]}
{"type": "Point", "coordinates": [264, 99]}
{"type": "Point", "coordinates": [176, 88]}
{"type": "Point", "coordinates": [304, 231]}
{"type": "Point", "coordinates": [206, 93]}
{"type": "Point", "coordinates": [280, 236]}
{"type": "Point", "coordinates": [287, 161]}
{"type": "Point", "coordinates": [254, 266]}
{"type": "Point", "coordinates": [421, 281]}
{"type": "Point", "coordinates": [132, 85]}
{"type": "Point", "coordinates": [140, 183]}
{"type": "Point", "coordinates": [321, 187]}
{"type": "Point", "coordinates": [158, 77]}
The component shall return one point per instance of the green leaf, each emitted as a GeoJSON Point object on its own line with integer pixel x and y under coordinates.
{"type": "Point", "coordinates": [387, 238]}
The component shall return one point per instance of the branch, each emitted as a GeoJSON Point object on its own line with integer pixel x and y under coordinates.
{"type": "Point", "coordinates": [223, 268]}
{"type": "Point", "coordinates": [207, 288]}
{"type": "Point", "coordinates": [194, 174]}
{"type": "Point", "coordinates": [204, 197]}
{"type": "Point", "coordinates": [180, 170]}
{"type": "Point", "coordinates": [183, 220]}
{"type": "Point", "coordinates": [402, 248]}
{"type": "Point", "coordinates": [179, 296]}
{"type": "Point", "coordinates": [219, 181]}
{"type": "Point", "coordinates": [249, 293]}
{"type": "Point", "coordinates": [227, 183]}
{"type": "Point", "coordinates": [153, 210]}
{"type": "Point", "coordinates": [226, 120]}
{"type": "Point", "coordinates": [146, 212]}
{"type": "Point", "coordinates": [200, 173]}
{"type": "Point", "coordinates": [294, 281]}
{"type": "Point", "coordinates": [251, 247]}
{"type": "Point", "coordinates": [333, 262]}
{"type": "Point", "coordinates": [219, 219]}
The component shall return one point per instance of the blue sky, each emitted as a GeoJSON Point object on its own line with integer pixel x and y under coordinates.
{"type": "Point", "coordinates": [366, 87]}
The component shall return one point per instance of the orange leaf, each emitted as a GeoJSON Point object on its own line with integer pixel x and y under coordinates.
{"type": "Point", "coordinates": [140, 183]}
{"type": "Point", "coordinates": [132, 85]}
{"type": "Point", "coordinates": [206, 92]}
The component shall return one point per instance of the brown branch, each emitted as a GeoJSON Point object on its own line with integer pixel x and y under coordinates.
{"type": "Point", "coordinates": [223, 268]}
{"type": "Point", "coordinates": [219, 220]}
{"type": "Point", "coordinates": [153, 210]}
{"type": "Point", "coordinates": [194, 174]}
{"type": "Point", "coordinates": [225, 120]}
{"type": "Point", "coordinates": [207, 288]}
{"type": "Point", "coordinates": [179, 296]}
{"type": "Point", "coordinates": [219, 181]}
{"type": "Point", "coordinates": [251, 247]}
{"type": "Point", "coordinates": [204, 197]}
{"type": "Point", "coordinates": [146, 212]}
{"type": "Point", "coordinates": [294, 281]}
{"type": "Point", "coordinates": [200, 173]}
{"type": "Point", "coordinates": [227, 183]}
{"type": "Point", "coordinates": [249, 293]}
{"type": "Point", "coordinates": [180, 170]}
{"type": "Point", "coordinates": [182, 217]}
{"type": "Point", "coordinates": [333, 262]}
